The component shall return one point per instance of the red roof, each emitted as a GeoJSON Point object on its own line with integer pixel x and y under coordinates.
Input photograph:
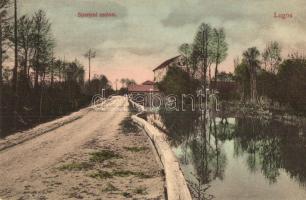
{"type": "Point", "coordinates": [166, 63]}
{"type": "Point", "coordinates": [148, 83]}
{"type": "Point", "coordinates": [142, 88]}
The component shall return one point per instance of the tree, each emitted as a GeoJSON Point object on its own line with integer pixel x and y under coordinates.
{"type": "Point", "coordinates": [43, 44]}
{"type": "Point", "coordinates": [291, 83]}
{"type": "Point", "coordinates": [89, 54]}
{"type": "Point", "coordinates": [25, 42]}
{"type": "Point", "coordinates": [203, 50]}
{"type": "Point", "coordinates": [220, 48]}
{"type": "Point", "coordinates": [272, 57]}
{"type": "Point", "coordinates": [251, 57]}
{"type": "Point", "coordinates": [3, 35]}
{"type": "Point", "coordinates": [15, 70]}
{"type": "Point", "coordinates": [177, 82]}
{"type": "Point", "coordinates": [186, 50]}
{"type": "Point", "coordinates": [129, 82]}
{"type": "Point", "coordinates": [4, 4]}
{"type": "Point", "coordinates": [242, 76]}
{"type": "Point", "coordinates": [125, 82]}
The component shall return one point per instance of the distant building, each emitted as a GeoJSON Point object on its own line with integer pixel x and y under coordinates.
{"type": "Point", "coordinates": [141, 93]}
{"type": "Point", "coordinates": [145, 87]}
{"type": "Point", "coordinates": [161, 71]}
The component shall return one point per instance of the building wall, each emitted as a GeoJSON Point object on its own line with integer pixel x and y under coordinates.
{"type": "Point", "coordinates": [159, 74]}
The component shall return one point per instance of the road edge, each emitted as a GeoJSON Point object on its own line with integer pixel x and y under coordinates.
{"type": "Point", "coordinates": [176, 185]}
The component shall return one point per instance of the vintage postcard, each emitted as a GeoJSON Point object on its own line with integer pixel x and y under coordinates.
{"type": "Point", "coordinates": [153, 99]}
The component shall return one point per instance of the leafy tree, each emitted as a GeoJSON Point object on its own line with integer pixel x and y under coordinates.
{"type": "Point", "coordinates": [43, 44]}
{"type": "Point", "coordinates": [242, 76]}
{"type": "Point", "coordinates": [292, 83]}
{"type": "Point", "coordinates": [125, 82]}
{"type": "Point", "coordinates": [220, 48]}
{"type": "Point", "coordinates": [267, 84]}
{"type": "Point", "coordinates": [186, 50]}
{"type": "Point", "coordinates": [4, 4]}
{"type": "Point", "coordinates": [177, 82]}
{"type": "Point", "coordinates": [203, 50]}
{"type": "Point", "coordinates": [251, 57]}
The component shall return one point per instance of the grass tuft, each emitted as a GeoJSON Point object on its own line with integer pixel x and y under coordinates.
{"type": "Point", "coordinates": [103, 155]}
{"type": "Point", "coordinates": [101, 175]}
{"type": "Point", "coordinates": [125, 173]}
{"type": "Point", "coordinates": [127, 194]}
{"type": "Point", "coordinates": [140, 190]}
{"type": "Point", "coordinates": [128, 126]}
{"type": "Point", "coordinates": [136, 149]}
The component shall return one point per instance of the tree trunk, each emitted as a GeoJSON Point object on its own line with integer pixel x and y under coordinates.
{"type": "Point", "coordinates": [253, 85]}
{"type": "Point", "coordinates": [16, 51]}
{"type": "Point", "coordinates": [15, 71]}
{"type": "Point", "coordinates": [1, 79]}
{"type": "Point", "coordinates": [41, 97]}
{"type": "Point", "coordinates": [217, 62]}
{"type": "Point", "coordinates": [89, 68]}
{"type": "Point", "coordinates": [52, 73]}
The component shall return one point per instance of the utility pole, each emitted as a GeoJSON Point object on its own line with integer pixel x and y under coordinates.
{"type": "Point", "coordinates": [90, 54]}
{"type": "Point", "coordinates": [116, 81]}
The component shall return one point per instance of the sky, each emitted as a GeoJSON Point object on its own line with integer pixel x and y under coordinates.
{"type": "Point", "coordinates": [144, 33]}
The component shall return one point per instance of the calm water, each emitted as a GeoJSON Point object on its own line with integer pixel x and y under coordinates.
{"type": "Point", "coordinates": [238, 158]}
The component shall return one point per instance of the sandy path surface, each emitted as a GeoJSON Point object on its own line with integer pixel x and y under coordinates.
{"type": "Point", "coordinates": [99, 156]}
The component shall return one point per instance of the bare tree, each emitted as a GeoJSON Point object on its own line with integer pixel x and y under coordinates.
{"type": "Point", "coordinates": [89, 54]}
{"type": "Point", "coordinates": [272, 57]}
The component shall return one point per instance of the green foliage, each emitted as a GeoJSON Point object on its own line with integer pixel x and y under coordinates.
{"type": "Point", "coordinates": [292, 83]}
{"type": "Point", "coordinates": [103, 155]}
{"type": "Point", "coordinates": [267, 84]}
{"type": "Point", "coordinates": [47, 87]}
{"type": "Point", "coordinates": [285, 87]}
{"type": "Point", "coordinates": [128, 126]}
{"type": "Point", "coordinates": [136, 149]}
{"type": "Point", "coordinates": [251, 58]}
{"type": "Point", "coordinates": [100, 174]}
{"type": "Point", "coordinates": [178, 82]}
{"type": "Point", "coordinates": [127, 195]}
{"type": "Point", "coordinates": [272, 57]}
{"type": "Point", "coordinates": [140, 190]}
{"type": "Point", "coordinates": [242, 76]}
{"type": "Point", "coordinates": [125, 173]}
{"type": "Point", "coordinates": [219, 45]}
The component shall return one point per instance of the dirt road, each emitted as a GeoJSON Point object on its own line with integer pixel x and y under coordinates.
{"type": "Point", "coordinates": [99, 156]}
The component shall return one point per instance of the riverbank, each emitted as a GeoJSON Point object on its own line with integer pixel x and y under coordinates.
{"type": "Point", "coordinates": [264, 112]}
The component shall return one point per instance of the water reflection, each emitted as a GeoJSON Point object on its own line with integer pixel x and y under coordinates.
{"type": "Point", "coordinates": [211, 150]}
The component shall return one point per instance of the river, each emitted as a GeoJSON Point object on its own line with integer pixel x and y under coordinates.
{"type": "Point", "coordinates": [238, 158]}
